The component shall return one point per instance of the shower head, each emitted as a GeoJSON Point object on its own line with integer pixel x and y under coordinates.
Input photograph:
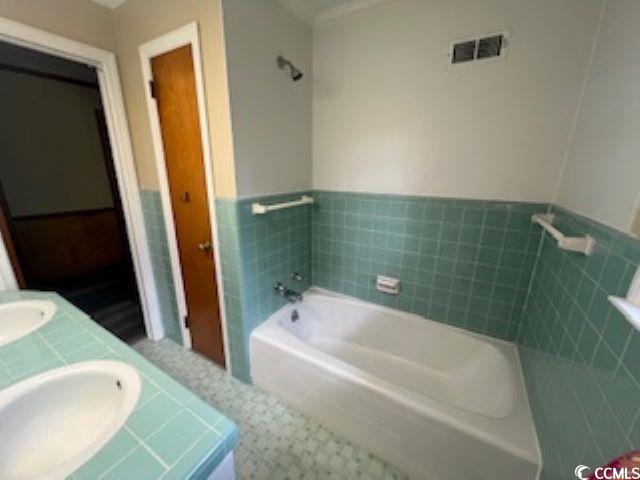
{"type": "Point", "coordinates": [296, 74]}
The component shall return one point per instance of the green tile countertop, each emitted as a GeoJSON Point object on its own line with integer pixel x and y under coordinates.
{"type": "Point", "coordinates": [171, 434]}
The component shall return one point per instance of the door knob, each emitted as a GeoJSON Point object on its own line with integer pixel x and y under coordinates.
{"type": "Point", "coordinates": [204, 246]}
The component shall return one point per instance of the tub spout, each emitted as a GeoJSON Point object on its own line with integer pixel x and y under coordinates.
{"type": "Point", "coordinates": [290, 295]}
{"type": "Point", "coordinates": [293, 297]}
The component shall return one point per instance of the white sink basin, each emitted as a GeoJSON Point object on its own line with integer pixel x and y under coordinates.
{"type": "Point", "coordinates": [52, 423]}
{"type": "Point", "coordinates": [18, 319]}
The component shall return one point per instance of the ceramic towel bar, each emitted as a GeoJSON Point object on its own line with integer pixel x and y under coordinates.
{"type": "Point", "coordinates": [582, 245]}
{"type": "Point", "coordinates": [260, 209]}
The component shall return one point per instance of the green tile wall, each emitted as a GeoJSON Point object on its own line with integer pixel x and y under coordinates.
{"type": "Point", "coordinates": [228, 239]}
{"type": "Point", "coordinates": [161, 262]}
{"type": "Point", "coordinates": [470, 264]}
{"type": "Point", "coordinates": [462, 262]}
{"type": "Point", "coordinates": [257, 251]}
{"type": "Point", "coordinates": [580, 357]}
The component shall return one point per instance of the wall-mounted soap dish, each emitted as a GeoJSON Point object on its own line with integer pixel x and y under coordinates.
{"type": "Point", "coordinates": [387, 285]}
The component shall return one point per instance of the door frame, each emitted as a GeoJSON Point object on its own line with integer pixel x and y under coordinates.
{"type": "Point", "coordinates": [180, 37]}
{"type": "Point", "coordinates": [111, 94]}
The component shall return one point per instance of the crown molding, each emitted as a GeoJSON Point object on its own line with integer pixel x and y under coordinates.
{"type": "Point", "coordinates": [348, 9]}
{"type": "Point", "coordinates": [112, 4]}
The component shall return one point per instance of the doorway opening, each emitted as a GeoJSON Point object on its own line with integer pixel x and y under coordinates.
{"type": "Point", "coordinates": [61, 213]}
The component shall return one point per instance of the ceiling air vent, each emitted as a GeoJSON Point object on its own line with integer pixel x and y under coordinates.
{"type": "Point", "coordinates": [492, 46]}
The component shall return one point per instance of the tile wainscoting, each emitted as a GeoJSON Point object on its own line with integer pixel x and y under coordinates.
{"type": "Point", "coordinates": [230, 269]}
{"type": "Point", "coordinates": [580, 357]}
{"type": "Point", "coordinates": [462, 262]}
{"type": "Point", "coordinates": [161, 262]}
{"type": "Point", "coordinates": [466, 263]}
{"type": "Point", "coordinates": [256, 252]}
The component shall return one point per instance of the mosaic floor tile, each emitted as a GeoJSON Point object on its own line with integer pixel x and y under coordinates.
{"type": "Point", "coordinates": [276, 441]}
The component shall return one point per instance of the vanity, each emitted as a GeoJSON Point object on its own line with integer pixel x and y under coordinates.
{"type": "Point", "coordinates": [77, 403]}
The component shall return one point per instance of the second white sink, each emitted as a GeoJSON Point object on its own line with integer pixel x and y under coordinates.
{"type": "Point", "coordinates": [18, 319]}
{"type": "Point", "coordinates": [52, 423]}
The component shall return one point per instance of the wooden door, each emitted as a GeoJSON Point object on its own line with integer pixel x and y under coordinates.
{"type": "Point", "coordinates": [174, 89]}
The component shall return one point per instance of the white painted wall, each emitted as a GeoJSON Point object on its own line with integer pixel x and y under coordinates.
{"type": "Point", "coordinates": [271, 115]}
{"type": "Point", "coordinates": [52, 159]}
{"type": "Point", "coordinates": [390, 114]}
{"type": "Point", "coordinates": [602, 176]}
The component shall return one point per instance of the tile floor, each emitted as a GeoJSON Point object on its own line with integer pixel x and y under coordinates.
{"type": "Point", "coordinates": [276, 441]}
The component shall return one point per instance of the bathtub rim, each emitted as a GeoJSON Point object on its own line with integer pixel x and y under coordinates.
{"type": "Point", "coordinates": [275, 335]}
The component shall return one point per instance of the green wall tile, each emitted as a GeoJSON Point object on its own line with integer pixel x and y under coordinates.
{"type": "Point", "coordinates": [452, 248]}
{"type": "Point", "coordinates": [161, 263]}
{"type": "Point", "coordinates": [579, 355]}
{"type": "Point", "coordinates": [469, 264]}
{"type": "Point", "coordinates": [256, 252]}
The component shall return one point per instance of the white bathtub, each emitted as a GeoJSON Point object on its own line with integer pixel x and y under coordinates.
{"type": "Point", "coordinates": [438, 402]}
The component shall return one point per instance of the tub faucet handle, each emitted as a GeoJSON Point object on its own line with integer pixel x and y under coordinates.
{"type": "Point", "coordinates": [279, 288]}
{"type": "Point", "coordinates": [297, 276]}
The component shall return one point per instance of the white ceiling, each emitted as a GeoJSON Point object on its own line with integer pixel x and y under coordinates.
{"type": "Point", "coordinates": [110, 3]}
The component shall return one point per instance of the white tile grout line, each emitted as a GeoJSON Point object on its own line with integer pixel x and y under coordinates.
{"type": "Point", "coordinates": [122, 459]}
{"type": "Point", "coordinates": [141, 405]}
{"type": "Point", "coordinates": [142, 444]}
{"type": "Point", "coordinates": [52, 348]}
{"type": "Point", "coordinates": [185, 453]}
